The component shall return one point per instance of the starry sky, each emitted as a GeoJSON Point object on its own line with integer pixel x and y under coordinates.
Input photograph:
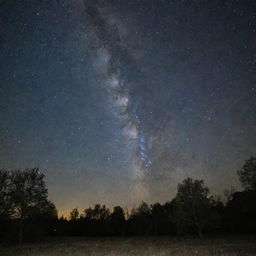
{"type": "Point", "coordinates": [117, 101]}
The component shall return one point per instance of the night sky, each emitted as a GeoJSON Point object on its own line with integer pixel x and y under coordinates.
{"type": "Point", "coordinates": [117, 101]}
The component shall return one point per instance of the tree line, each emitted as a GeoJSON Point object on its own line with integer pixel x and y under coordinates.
{"type": "Point", "coordinates": [26, 212]}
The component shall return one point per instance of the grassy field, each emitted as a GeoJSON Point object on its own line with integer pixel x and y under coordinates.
{"type": "Point", "coordinates": [229, 246]}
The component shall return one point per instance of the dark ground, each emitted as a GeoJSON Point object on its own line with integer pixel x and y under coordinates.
{"type": "Point", "coordinates": [228, 246]}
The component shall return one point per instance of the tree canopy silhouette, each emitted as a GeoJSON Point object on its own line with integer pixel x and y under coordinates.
{"type": "Point", "coordinates": [117, 220]}
{"type": "Point", "coordinates": [5, 203]}
{"type": "Point", "coordinates": [74, 214]}
{"type": "Point", "coordinates": [247, 174]}
{"type": "Point", "coordinates": [192, 204]}
{"type": "Point", "coordinates": [25, 209]}
{"type": "Point", "coordinates": [24, 196]}
{"type": "Point", "coordinates": [97, 213]}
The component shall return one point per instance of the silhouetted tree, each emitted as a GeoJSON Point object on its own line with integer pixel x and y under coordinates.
{"type": "Point", "coordinates": [139, 221]}
{"type": "Point", "coordinates": [49, 211]}
{"type": "Point", "coordinates": [159, 219]}
{"type": "Point", "coordinates": [100, 212]}
{"type": "Point", "coordinates": [143, 209]}
{"type": "Point", "coordinates": [41, 220]}
{"type": "Point", "coordinates": [247, 174]}
{"type": "Point", "coordinates": [27, 194]}
{"type": "Point", "coordinates": [241, 212]}
{"type": "Point", "coordinates": [192, 204]}
{"type": "Point", "coordinates": [74, 214]}
{"type": "Point", "coordinates": [5, 202]}
{"type": "Point", "coordinates": [216, 216]}
{"type": "Point", "coordinates": [117, 221]}
{"type": "Point", "coordinates": [97, 220]}
{"type": "Point", "coordinates": [88, 213]}
{"type": "Point", "coordinates": [171, 226]}
{"type": "Point", "coordinates": [228, 193]}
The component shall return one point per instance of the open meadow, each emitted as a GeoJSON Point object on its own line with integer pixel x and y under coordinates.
{"type": "Point", "coordinates": [151, 246]}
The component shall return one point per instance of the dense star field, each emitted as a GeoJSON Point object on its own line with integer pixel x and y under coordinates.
{"type": "Point", "coordinates": [118, 101]}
